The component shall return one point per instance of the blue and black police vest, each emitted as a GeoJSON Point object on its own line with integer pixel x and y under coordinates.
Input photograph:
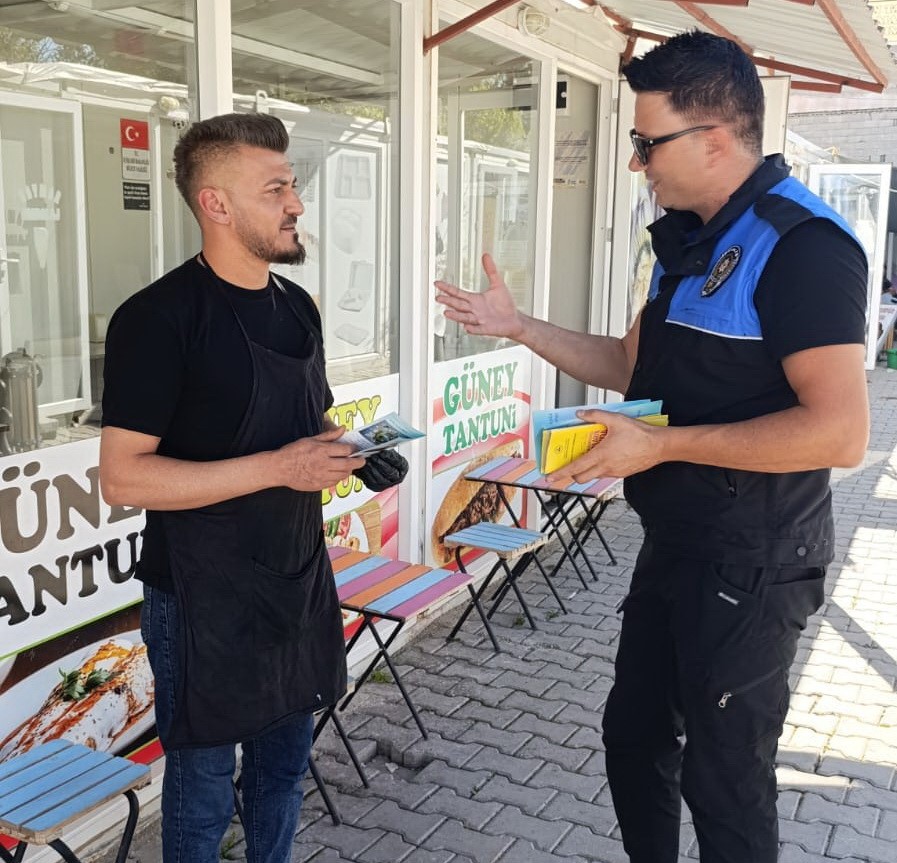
{"type": "Point", "coordinates": [701, 350]}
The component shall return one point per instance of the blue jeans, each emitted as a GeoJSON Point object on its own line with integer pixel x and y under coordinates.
{"type": "Point", "coordinates": [197, 791]}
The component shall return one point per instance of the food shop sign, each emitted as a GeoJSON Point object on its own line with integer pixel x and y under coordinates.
{"type": "Point", "coordinates": [66, 557]}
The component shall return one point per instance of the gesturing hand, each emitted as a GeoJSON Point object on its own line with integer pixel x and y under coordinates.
{"type": "Point", "coordinates": [490, 313]}
{"type": "Point", "coordinates": [316, 463]}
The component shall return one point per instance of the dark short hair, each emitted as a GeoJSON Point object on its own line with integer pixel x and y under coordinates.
{"type": "Point", "coordinates": [705, 77]}
{"type": "Point", "coordinates": [209, 140]}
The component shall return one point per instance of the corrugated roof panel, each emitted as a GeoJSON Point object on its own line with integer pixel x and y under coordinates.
{"type": "Point", "coordinates": [790, 32]}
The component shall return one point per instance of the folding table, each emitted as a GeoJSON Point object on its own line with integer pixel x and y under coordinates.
{"type": "Point", "coordinates": [507, 543]}
{"type": "Point", "coordinates": [380, 588]}
{"type": "Point", "coordinates": [593, 497]}
{"type": "Point", "coordinates": [43, 790]}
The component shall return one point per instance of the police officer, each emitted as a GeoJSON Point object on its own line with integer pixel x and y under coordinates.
{"type": "Point", "coordinates": [753, 337]}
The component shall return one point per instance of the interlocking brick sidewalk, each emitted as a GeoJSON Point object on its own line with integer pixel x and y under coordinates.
{"type": "Point", "coordinates": [514, 770]}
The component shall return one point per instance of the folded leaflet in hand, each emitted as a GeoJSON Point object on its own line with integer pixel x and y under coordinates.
{"type": "Point", "coordinates": [387, 431]}
{"type": "Point", "coordinates": [560, 436]}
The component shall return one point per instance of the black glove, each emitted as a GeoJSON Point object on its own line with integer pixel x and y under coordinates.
{"type": "Point", "coordinates": [382, 470]}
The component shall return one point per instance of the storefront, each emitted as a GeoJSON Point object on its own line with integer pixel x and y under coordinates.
{"type": "Point", "coordinates": [410, 162]}
{"type": "Point", "coordinates": [92, 99]}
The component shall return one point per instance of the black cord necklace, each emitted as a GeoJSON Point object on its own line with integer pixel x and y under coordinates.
{"type": "Point", "coordinates": [204, 262]}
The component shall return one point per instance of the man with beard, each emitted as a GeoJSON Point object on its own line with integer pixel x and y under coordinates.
{"type": "Point", "coordinates": [214, 423]}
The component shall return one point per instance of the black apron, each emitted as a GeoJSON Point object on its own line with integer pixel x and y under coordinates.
{"type": "Point", "coordinates": [260, 639]}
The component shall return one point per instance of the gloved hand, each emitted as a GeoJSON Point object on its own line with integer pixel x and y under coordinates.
{"type": "Point", "coordinates": [382, 470]}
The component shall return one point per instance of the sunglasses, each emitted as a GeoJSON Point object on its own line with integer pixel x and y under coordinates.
{"type": "Point", "coordinates": [642, 145]}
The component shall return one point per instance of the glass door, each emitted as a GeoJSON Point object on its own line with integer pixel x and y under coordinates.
{"type": "Point", "coordinates": [43, 291]}
{"type": "Point", "coordinates": [486, 179]}
{"type": "Point", "coordinates": [859, 193]}
{"type": "Point", "coordinates": [485, 182]}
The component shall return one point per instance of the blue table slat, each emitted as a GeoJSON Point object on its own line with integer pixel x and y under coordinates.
{"type": "Point", "coordinates": [488, 527]}
{"type": "Point", "coordinates": [41, 767]}
{"type": "Point", "coordinates": [578, 487]}
{"type": "Point", "coordinates": [33, 756]}
{"type": "Point", "coordinates": [499, 532]}
{"type": "Point", "coordinates": [91, 797]}
{"type": "Point", "coordinates": [53, 794]}
{"type": "Point", "coordinates": [494, 536]}
{"type": "Point", "coordinates": [470, 536]}
{"type": "Point", "coordinates": [488, 543]}
{"type": "Point", "coordinates": [402, 594]}
{"type": "Point", "coordinates": [361, 568]}
{"type": "Point", "coordinates": [56, 782]}
{"type": "Point", "coordinates": [529, 478]}
{"type": "Point", "coordinates": [33, 782]}
{"type": "Point", "coordinates": [76, 797]}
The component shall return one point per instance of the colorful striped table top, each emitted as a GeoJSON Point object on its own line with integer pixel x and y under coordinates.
{"type": "Point", "coordinates": [522, 472]}
{"type": "Point", "coordinates": [371, 583]}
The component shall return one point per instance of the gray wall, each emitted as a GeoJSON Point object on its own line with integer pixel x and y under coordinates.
{"type": "Point", "coordinates": [862, 127]}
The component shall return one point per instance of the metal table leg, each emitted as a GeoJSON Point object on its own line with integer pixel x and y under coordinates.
{"type": "Point", "coordinates": [383, 653]}
{"type": "Point", "coordinates": [325, 795]}
{"type": "Point", "coordinates": [16, 855]}
{"type": "Point", "coordinates": [556, 519]}
{"type": "Point", "coordinates": [475, 604]}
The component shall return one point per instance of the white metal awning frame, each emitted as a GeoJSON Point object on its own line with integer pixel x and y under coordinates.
{"type": "Point", "coordinates": [824, 45]}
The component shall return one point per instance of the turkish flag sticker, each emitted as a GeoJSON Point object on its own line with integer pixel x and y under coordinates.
{"type": "Point", "coordinates": [134, 134]}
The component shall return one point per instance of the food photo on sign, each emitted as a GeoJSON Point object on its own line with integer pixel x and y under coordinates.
{"type": "Point", "coordinates": [465, 502]}
{"type": "Point", "coordinates": [92, 686]}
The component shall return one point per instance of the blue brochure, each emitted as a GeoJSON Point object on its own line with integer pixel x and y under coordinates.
{"type": "Point", "coordinates": [562, 417]}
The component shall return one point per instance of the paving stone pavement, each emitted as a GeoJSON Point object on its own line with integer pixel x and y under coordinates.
{"type": "Point", "coordinates": [513, 771]}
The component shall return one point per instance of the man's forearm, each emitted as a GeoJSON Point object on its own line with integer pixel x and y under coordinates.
{"type": "Point", "coordinates": [152, 481]}
{"type": "Point", "coordinates": [600, 361]}
{"type": "Point", "coordinates": [796, 439]}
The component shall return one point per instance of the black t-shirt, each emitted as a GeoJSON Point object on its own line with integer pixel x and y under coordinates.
{"type": "Point", "coordinates": [177, 365]}
{"type": "Point", "coordinates": [811, 291]}
{"type": "Point", "coordinates": [178, 368]}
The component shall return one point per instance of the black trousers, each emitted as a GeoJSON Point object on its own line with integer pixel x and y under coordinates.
{"type": "Point", "coordinates": [699, 701]}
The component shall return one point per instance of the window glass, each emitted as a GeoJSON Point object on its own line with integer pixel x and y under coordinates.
{"type": "Point", "coordinates": [92, 97]}
{"type": "Point", "coordinates": [485, 176]}
{"type": "Point", "coordinates": [329, 70]}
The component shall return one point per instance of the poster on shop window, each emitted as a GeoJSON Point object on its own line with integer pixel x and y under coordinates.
{"type": "Point", "coordinates": [341, 185]}
{"type": "Point", "coordinates": [480, 411]}
{"type": "Point", "coordinates": [72, 661]}
{"type": "Point", "coordinates": [354, 516]}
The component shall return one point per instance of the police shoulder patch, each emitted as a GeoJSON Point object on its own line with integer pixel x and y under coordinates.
{"type": "Point", "coordinates": [721, 271]}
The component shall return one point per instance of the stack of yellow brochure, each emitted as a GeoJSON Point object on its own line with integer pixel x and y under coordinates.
{"type": "Point", "coordinates": [560, 446]}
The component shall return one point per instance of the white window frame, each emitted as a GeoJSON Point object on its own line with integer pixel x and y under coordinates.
{"type": "Point", "coordinates": [875, 256]}
{"type": "Point", "coordinates": [73, 109]}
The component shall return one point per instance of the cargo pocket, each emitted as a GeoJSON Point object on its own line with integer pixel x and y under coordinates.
{"type": "Point", "coordinates": [790, 600]}
{"type": "Point", "coordinates": [747, 706]}
{"type": "Point", "coordinates": [280, 604]}
{"type": "Point", "coordinates": [725, 609]}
